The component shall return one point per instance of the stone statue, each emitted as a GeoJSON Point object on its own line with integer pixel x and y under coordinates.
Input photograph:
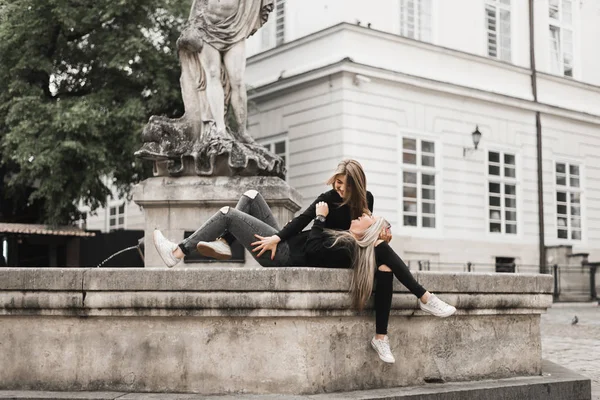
{"type": "Point", "coordinates": [213, 59]}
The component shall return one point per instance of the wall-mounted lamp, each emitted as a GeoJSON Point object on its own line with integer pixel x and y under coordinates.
{"type": "Point", "coordinates": [476, 139]}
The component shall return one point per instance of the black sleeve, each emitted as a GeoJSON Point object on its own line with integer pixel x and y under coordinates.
{"type": "Point", "coordinates": [316, 238]}
{"type": "Point", "coordinates": [320, 254]}
{"type": "Point", "coordinates": [296, 225]}
{"type": "Point", "coordinates": [370, 201]}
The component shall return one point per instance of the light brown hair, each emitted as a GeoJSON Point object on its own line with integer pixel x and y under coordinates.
{"type": "Point", "coordinates": [356, 187]}
{"type": "Point", "coordinates": [363, 256]}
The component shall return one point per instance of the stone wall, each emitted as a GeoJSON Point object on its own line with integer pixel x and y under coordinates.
{"type": "Point", "coordinates": [255, 330]}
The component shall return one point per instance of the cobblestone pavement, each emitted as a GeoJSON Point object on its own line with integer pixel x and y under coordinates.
{"type": "Point", "coordinates": [576, 347]}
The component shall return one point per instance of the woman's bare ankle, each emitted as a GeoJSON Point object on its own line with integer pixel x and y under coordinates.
{"type": "Point", "coordinates": [178, 253]}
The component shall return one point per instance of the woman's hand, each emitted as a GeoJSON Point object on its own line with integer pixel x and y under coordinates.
{"type": "Point", "coordinates": [265, 244]}
{"type": "Point", "coordinates": [322, 208]}
{"type": "Point", "coordinates": [386, 234]}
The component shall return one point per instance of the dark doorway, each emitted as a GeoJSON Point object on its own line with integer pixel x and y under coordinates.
{"type": "Point", "coordinates": [505, 264]}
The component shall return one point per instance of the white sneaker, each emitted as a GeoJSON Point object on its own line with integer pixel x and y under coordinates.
{"type": "Point", "coordinates": [382, 347]}
{"type": "Point", "coordinates": [165, 249]}
{"type": "Point", "coordinates": [218, 249]}
{"type": "Point", "coordinates": [437, 307]}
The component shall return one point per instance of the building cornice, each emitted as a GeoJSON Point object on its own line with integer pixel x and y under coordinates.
{"type": "Point", "coordinates": [403, 41]}
{"type": "Point", "coordinates": [382, 35]}
{"type": "Point", "coordinates": [346, 65]}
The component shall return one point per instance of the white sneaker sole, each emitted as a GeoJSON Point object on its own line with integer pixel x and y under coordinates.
{"type": "Point", "coordinates": [444, 315]}
{"type": "Point", "coordinates": [381, 358]}
{"type": "Point", "coordinates": [209, 251]}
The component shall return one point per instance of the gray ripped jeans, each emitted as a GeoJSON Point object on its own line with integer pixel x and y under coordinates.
{"type": "Point", "coordinates": [251, 216]}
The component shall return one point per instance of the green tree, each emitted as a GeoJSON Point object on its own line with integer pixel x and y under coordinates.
{"type": "Point", "coordinates": [78, 81]}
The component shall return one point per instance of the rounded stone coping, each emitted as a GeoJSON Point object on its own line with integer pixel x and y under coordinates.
{"type": "Point", "coordinates": [299, 304]}
{"type": "Point", "coordinates": [195, 190]}
{"type": "Point", "coordinates": [292, 279]}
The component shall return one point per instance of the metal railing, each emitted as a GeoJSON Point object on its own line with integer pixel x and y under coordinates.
{"type": "Point", "coordinates": [468, 266]}
{"type": "Point", "coordinates": [576, 283]}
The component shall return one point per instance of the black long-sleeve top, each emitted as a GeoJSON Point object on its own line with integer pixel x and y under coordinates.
{"type": "Point", "coordinates": [318, 250]}
{"type": "Point", "coordinates": [339, 218]}
{"type": "Point", "coordinates": [319, 253]}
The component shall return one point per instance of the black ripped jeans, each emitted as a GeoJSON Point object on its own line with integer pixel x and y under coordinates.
{"type": "Point", "coordinates": [384, 288]}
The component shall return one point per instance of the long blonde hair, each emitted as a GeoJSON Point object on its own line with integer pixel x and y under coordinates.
{"type": "Point", "coordinates": [363, 256]}
{"type": "Point", "coordinates": [356, 184]}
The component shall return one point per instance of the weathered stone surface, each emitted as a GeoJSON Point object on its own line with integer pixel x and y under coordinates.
{"type": "Point", "coordinates": [45, 395]}
{"type": "Point", "coordinates": [555, 383]}
{"type": "Point", "coordinates": [215, 157]}
{"type": "Point", "coordinates": [295, 301]}
{"type": "Point", "coordinates": [230, 279]}
{"type": "Point", "coordinates": [40, 300]}
{"type": "Point", "coordinates": [259, 355]}
{"type": "Point", "coordinates": [216, 146]}
{"type": "Point", "coordinates": [281, 330]}
{"type": "Point", "coordinates": [180, 205]}
{"type": "Point", "coordinates": [41, 278]}
{"type": "Point", "coordinates": [205, 191]}
{"type": "Point", "coordinates": [473, 283]}
{"type": "Point", "coordinates": [301, 279]}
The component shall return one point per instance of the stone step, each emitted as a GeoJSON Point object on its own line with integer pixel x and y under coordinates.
{"type": "Point", "coordinates": [555, 383]}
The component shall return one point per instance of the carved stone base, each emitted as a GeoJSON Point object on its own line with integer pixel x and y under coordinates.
{"type": "Point", "coordinates": [181, 150]}
{"type": "Point", "coordinates": [179, 205]}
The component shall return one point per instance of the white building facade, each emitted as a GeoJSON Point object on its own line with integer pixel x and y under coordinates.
{"type": "Point", "coordinates": [400, 85]}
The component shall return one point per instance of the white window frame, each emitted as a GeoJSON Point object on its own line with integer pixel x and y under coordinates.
{"type": "Point", "coordinates": [503, 181]}
{"type": "Point", "coordinates": [559, 66]}
{"type": "Point", "coordinates": [498, 6]}
{"type": "Point", "coordinates": [419, 230]}
{"type": "Point", "coordinates": [422, 23]}
{"type": "Point", "coordinates": [569, 189]}
{"type": "Point", "coordinates": [270, 142]}
{"type": "Point", "coordinates": [116, 205]}
{"type": "Point", "coordinates": [273, 32]}
{"type": "Point", "coordinates": [280, 19]}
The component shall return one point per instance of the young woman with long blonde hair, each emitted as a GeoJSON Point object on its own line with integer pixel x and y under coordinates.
{"type": "Point", "coordinates": [347, 203]}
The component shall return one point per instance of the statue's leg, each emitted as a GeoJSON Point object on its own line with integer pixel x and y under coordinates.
{"type": "Point", "coordinates": [210, 58]}
{"type": "Point", "coordinates": [235, 64]}
{"type": "Point", "coordinates": [189, 81]}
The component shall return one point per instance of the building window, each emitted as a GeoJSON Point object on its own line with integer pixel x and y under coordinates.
{"type": "Point", "coordinates": [418, 183]}
{"type": "Point", "coordinates": [568, 201]}
{"type": "Point", "coordinates": [279, 22]}
{"type": "Point", "coordinates": [497, 14]}
{"type": "Point", "coordinates": [502, 192]}
{"type": "Point", "coordinates": [116, 217]}
{"type": "Point", "coordinates": [273, 32]}
{"type": "Point", "coordinates": [561, 37]}
{"type": "Point", "coordinates": [415, 19]}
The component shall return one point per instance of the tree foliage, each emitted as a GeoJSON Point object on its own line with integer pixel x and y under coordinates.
{"type": "Point", "coordinates": [78, 80]}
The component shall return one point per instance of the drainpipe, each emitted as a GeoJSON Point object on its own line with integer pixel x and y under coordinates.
{"type": "Point", "coordinates": [538, 127]}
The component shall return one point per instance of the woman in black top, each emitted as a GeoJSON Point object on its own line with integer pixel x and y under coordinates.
{"type": "Point", "coordinates": [347, 200]}
{"type": "Point", "coordinates": [318, 247]}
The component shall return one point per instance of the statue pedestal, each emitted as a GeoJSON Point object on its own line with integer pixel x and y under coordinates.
{"type": "Point", "coordinates": [179, 205]}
